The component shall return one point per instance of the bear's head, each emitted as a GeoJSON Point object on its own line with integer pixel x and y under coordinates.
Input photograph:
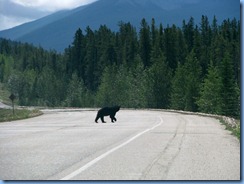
{"type": "Point", "coordinates": [117, 108]}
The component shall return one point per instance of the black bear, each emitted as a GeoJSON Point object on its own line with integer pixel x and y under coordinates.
{"type": "Point", "coordinates": [107, 111]}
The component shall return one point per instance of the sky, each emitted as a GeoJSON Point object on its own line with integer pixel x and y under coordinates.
{"type": "Point", "coordinates": [16, 12]}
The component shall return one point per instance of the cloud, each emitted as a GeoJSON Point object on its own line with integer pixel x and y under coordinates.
{"type": "Point", "coordinates": [52, 5]}
{"type": "Point", "coordinates": [9, 21]}
{"type": "Point", "coordinates": [11, 9]}
{"type": "Point", "coordinates": [16, 12]}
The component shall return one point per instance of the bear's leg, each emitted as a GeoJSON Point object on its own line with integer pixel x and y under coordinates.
{"type": "Point", "coordinates": [97, 119]}
{"type": "Point", "coordinates": [113, 118]}
{"type": "Point", "coordinates": [102, 118]}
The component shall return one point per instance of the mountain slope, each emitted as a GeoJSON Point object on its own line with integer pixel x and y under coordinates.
{"type": "Point", "coordinates": [56, 31]}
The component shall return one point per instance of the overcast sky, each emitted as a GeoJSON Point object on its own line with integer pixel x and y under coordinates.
{"type": "Point", "coordinates": [16, 12]}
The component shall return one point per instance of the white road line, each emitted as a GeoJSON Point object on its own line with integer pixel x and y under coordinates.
{"type": "Point", "coordinates": [89, 164]}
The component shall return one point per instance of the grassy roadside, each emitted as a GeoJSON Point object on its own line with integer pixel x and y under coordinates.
{"type": "Point", "coordinates": [235, 129]}
{"type": "Point", "coordinates": [7, 114]}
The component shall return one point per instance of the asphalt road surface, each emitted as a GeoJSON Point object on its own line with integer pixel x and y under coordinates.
{"type": "Point", "coordinates": [141, 145]}
{"type": "Point", "coordinates": [3, 106]}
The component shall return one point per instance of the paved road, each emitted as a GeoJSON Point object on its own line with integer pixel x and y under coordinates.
{"type": "Point", "coordinates": [4, 106]}
{"type": "Point", "coordinates": [141, 145]}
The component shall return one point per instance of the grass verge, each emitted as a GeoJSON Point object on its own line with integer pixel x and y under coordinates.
{"type": "Point", "coordinates": [235, 129]}
{"type": "Point", "coordinates": [7, 114]}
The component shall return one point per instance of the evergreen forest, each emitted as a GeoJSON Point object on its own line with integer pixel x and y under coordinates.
{"type": "Point", "coordinates": [195, 67]}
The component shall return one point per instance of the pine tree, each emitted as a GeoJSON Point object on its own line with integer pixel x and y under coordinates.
{"type": "Point", "coordinates": [145, 46]}
{"type": "Point", "coordinates": [204, 58]}
{"type": "Point", "coordinates": [229, 90]}
{"type": "Point", "coordinates": [186, 84]}
{"type": "Point", "coordinates": [160, 78]}
{"type": "Point", "coordinates": [210, 94]}
{"type": "Point", "coordinates": [2, 68]}
{"type": "Point", "coordinates": [171, 46]}
{"type": "Point", "coordinates": [214, 27]}
{"type": "Point", "coordinates": [48, 87]}
{"type": "Point", "coordinates": [136, 81]}
{"type": "Point", "coordinates": [78, 53]}
{"type": "Point", "coordinates": [75, 93]}
{"type": "Point", "coordinates": [193, 81]}
{"type": "Point", "coordinates": [121, 42]}
{"type": "Point", "coordinates": [107, 91]}
{"type": "Point", "coordinates": [154, 32]}
{"type": "Point", "coordinates": [178, 89]}
{"type": "Point", "coordinates": [91, 69]}
{"type": "Point", "coordinates": [188, 30]}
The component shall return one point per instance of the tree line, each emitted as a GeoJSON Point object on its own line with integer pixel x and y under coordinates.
{"type": "Point", "coordinates": [195, 67]}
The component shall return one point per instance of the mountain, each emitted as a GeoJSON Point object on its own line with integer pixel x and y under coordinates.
{"type": "Point", "coordinates": [56, 31]}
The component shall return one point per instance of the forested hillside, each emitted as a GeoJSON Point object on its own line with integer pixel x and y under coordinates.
{"type": "Point", "coordinates": [195, 67]}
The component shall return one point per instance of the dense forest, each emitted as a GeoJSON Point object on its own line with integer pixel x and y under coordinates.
{"type": "Point", "coordinates": [193, 68]}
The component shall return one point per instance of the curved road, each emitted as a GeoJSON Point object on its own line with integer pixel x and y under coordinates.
{"type": "Point", "coordinates": [141, 145]}
{"type": "Point", "coordinates": [4, 106]}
